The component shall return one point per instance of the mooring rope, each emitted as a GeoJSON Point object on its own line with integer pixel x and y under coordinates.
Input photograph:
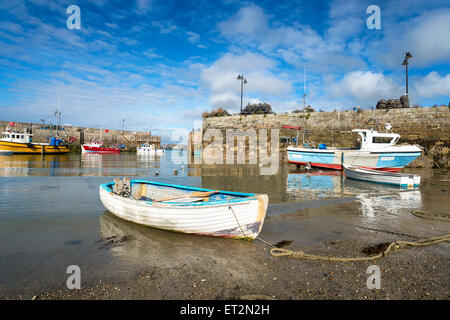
{"type": "Point", "coordinates": [431, 155]}
{"type": "Point", "coordinates": [394, 246]}
{"type": "Point", "coordinates": [231, 208]}
{"type": "Point", "coordinates": [431, 215]}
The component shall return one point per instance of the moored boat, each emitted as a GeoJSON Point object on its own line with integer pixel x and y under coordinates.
{"type": "Point", "coordinates": [186, 209]}
{"type": "Point", "coordinates": [97, 147]}
{"type": "Point", "coordinates": [402, 180]}
{"type": "Point", "coordinates": [149, 149]}
{"type": "Point", "coordinates": [12, 142]}
{"type": "Point", "coordinates": [377, 151]}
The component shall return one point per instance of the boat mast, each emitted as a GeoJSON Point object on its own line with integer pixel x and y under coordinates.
{"type": "Point", "coordinates": [304, 88]}
{"type": "Point", "coordinates": [304, 102]}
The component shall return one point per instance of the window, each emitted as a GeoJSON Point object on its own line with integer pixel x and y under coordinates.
{"type": "Point", "coordinates": [381, 139]}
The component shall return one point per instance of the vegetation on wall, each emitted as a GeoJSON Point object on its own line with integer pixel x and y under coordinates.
{"type": "Point", "coordinates": [220, 112]}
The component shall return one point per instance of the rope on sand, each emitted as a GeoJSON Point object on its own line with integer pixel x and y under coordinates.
{"type": "Point", "coordinates": [394, 247]}
{"type": "Point", "coordinates": [431, 215]}
{"type": "Point", "coordinates": [256, 296]}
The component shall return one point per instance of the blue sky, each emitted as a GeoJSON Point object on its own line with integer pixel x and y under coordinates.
{"type": "Point", "coordinates": [161, 64]}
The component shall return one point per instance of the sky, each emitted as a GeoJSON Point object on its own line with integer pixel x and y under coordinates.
{"type": "Point", "coordinates": [158, 65]}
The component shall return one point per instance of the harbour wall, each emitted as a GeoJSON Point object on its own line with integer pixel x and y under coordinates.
{"type": "Point", "coordinates": [428, 127]}
{"type": "Point", "coordinates": [41, 133]}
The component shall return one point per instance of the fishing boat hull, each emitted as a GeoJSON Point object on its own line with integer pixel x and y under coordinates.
{"type": "Point", "coordinates": [231, 214]}
{"type": "Point", "coordinates": [92, 149]}
{"type": "Point", "coordinates": [404, 181]}
{"type": "Point", "coordinates": [391, 161]}
{"type": "Point", "coordinates": [31, 148]}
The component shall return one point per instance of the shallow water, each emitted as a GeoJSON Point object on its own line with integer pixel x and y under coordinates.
{"type": "Point", "coordinates": [51, 216]}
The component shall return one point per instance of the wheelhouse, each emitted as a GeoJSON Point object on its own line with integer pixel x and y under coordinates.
{"type": "Point", "coordinates": [17, 137]}
{"type": "Point", "coordinates": [373, 139]}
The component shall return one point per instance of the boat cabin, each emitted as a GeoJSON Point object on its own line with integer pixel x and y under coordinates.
{"type": "Point", "coordinates": [371, 139]}
{"type": "Point", "coordinates": [94, 144]}
{"type": "Point", "coordinates": [17, 137]}
{"type": "Point", "coordinates": [146, 147]}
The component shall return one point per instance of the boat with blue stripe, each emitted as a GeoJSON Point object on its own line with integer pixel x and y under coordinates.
{"type": "Point", "coordinates": [402, 180]}
{"type": "Point", "coordinates": [186, 209]}
{"type": "Point", "coordinates": [377, 151]}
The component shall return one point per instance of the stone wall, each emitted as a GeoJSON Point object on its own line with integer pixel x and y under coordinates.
{"type": "Point", "coordinates": [428, 127]}
{"type": "Point", "coordinates": [129, 138]}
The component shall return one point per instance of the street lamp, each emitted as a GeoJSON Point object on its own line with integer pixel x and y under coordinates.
{"type": "Point", "coordinates": [405, 63]}
{"type": "Point", "coordinates": [243, 80]}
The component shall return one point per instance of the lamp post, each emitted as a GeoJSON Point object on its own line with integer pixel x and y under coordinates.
{"type": "Point", "coordinates": [405, 63]}
{"type": "Point", "coordinates": [243, 80]}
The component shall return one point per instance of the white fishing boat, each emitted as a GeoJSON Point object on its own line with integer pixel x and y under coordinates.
{"type": "Point", "coordinates": [149, 149]}
{"type": "Point", "coordinates": [402, 180]}
{"type": "Point", "coordinates": [377, 151]}
{"type": "Point", "coordinates": [186, 209]}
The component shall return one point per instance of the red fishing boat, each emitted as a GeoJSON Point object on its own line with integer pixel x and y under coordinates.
{"type": "Point", "coordinates": [97, 147]}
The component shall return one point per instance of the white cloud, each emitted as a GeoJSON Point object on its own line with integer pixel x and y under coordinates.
{"type": "Point", "coordinates": [365, 87]}
{"type": "Point", "coordinates": [249, 23]}
{"type": "Point", "coordinates": [193, 37]}
{"type": "Point", "coordinates": [220, 79]}
{"type": "Point", "coordinates": [143, 6]}
{"type": "Point", "coordinates": [297, 44]}
{"type": "Point", "coordinates": [433, 85]}
{"type": "Point", "coordinates": [165, 26]}
{"type": "Point", "coordinates": [111, 25]}
{"type": "Point", "coordinates": [425, 36]}
{"type": "Point", "coordinates": [251, 26]}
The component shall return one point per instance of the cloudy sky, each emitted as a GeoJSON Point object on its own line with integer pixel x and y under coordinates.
{"type": "Point", "coordinates": [160, 64]}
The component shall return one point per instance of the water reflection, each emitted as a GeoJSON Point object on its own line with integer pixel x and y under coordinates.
{"type": "Point", "coordinates": [164, 248]}
{"type": "Point", "coordinates": [149, 160]}
{"type": "Point", "coordinates": [28, 164]}
{"type": "Point", "coordinates": [374, 198]}
{"type": "Point", "coordinates": [392, 203]}
{"type": "Point", "coordinates": [313, 185]}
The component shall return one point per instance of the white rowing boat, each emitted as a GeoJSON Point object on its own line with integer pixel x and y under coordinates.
{"type": "Point", "coordinates": [186, 209]}
{"type": "Point", "coordinates": [402, 180]}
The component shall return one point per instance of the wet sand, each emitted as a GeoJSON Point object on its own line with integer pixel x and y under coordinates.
{"type": "Point", "coordinates": [176, 266]}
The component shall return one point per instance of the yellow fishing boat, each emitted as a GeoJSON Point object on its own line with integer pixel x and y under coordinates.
{"type": "Point", "coordinates": [21, 143]}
